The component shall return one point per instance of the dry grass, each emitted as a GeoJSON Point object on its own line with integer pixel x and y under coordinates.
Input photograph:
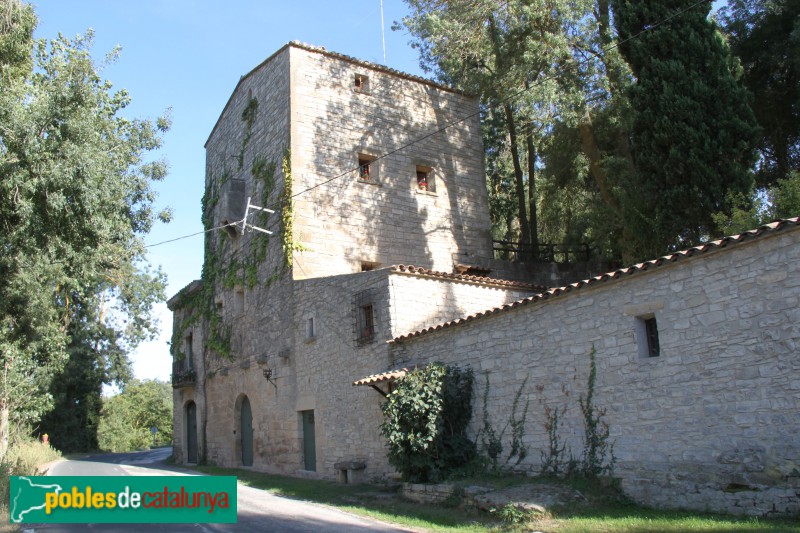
{"type": "Point", "coordinates": [25, 457]}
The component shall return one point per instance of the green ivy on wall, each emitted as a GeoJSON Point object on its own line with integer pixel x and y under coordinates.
{"type": "Point", "coordinates": [227, 270]}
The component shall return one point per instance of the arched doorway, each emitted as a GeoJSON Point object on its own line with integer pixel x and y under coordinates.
{"type": "Point", "coordinates": [191, 432]}
{"type": "Point", "coordinates": [246, 433]}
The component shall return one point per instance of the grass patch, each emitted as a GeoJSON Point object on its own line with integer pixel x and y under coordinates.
{"type": "Point", "coordinates": [606, 510]}
{"type": "Point", "coordinates": [374, 501]}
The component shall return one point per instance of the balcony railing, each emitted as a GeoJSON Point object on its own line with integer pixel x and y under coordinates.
{"type": "Point", "coordinates": [541, 253]}
{"type": "Point", "coordinates": [182, 376]}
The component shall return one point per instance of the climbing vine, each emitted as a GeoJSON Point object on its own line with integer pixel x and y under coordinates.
{"type": "Point", "coordinates": [598, 451]}
{"type": "Point", "coordinates": [492, 441]}
{"type": "Point", "coordinates": [249, 118]}
{"type": "Point", "coordinates": [287, 238]}
{"type": "Point", "coordinates": [598, 457]}
{"type": "Point", "coordinates": [231, 270]}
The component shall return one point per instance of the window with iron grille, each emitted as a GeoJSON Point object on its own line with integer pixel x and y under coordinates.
{"type": "Point", "coordinates": [364, 311]}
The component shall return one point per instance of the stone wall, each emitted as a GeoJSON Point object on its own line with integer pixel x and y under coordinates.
{"type": "Point", "coordinates": [709, 423]}
{"type": "Point", "coordinates": [348, 418]}
{"type": "Point", "coordinates": [386, 219]}
{"type": "Point", "coordinates": [420, 301]}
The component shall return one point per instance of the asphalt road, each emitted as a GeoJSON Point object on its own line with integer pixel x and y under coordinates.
{"type": "Point", "coordinates": [258, 511]}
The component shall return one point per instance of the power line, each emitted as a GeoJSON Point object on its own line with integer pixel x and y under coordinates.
{"type": "Point", "coordinates": [191, 235]}
{"type": "Point", "coordinates": [460, 120]}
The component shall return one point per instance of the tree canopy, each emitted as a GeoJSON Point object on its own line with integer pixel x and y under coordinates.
{"type": "Point", "coordinates": [617, 123]}
{"type": "Point", "coordinates": [128, 417]}
{"type": "Point", "coordinates": [765, 37]}
{"type": "Point", "coordinates": [76, 199]}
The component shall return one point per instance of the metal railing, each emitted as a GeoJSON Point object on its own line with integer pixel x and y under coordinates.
{"type": "Point", "coordinates": [182, 376]}
{"type": "Point", "coordinates": [541, 253]}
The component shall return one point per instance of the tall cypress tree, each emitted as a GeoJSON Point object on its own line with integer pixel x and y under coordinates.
{"type": "Point", "coordinates": [693, 130]}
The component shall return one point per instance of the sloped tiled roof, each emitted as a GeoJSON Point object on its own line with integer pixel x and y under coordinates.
{"type": "Point", "coordinates": [483, 280]}
{"type": "Point", "coordinates": [380, 378]}
{"type": "Point", "coordinates": [766, 229]}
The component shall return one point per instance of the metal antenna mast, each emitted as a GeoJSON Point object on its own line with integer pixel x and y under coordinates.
{"type": "Point", "coordinates": [383, 35]}
{"type": "Point", "coordinates": [244, 222]}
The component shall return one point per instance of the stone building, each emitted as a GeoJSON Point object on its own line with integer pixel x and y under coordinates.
{"type": "Point", "coordinates": [697, 353]}
{"type": "Point", "coordinates": [267, 345]}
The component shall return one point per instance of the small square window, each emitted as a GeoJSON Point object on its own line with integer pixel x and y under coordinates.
{"type": "Point", "coordinates": [367, 169]}
{"type": "Point", "coordinates": [425, 179]}
{"type": "Point", "coordinates": [361, 83]}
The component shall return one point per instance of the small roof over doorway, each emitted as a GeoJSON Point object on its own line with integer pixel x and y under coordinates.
{"type": "Point", "coordinates": [382, 382]}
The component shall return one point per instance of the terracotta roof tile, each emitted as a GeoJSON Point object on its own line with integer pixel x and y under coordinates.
{"type": "Point", "coordinates": [380, 378]}
{"type": "Point", "coordinates": [548, 294]}
{"type": "Point", "coordinates": [483, 280]}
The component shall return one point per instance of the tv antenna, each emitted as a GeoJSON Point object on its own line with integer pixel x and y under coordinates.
{"type": "Point", "coordinates": [246, 225]}
{"type": "Point", "coordinates": [383, 36]}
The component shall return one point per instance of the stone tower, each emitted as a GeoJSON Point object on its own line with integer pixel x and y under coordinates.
{"type": "Point", "coordinates": [365, 167]}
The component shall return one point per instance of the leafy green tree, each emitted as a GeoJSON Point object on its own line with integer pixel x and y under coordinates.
{"type": "Point", "coordinates": [693, 132]}
{"type": "Point", "coordinates": [126, 418]}
{"type": "Point", "coordinates": [552, 87]}
{"type": "Point", "coordinates": [96, 357]}
{"type": "Point", "coordinates": [75, 201]}
{"type": "Point", "coordinates": [509, 54]}
{"type": "Point", "coordinates": [765, 36]}
{"type": "Point", "coordinates": [765, 205]}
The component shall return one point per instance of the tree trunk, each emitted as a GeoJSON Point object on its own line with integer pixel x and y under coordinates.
{"type": "Point", "coordinates": [3, 428]}
{"type": "Point", "coordinates": [534, 232]}
{"type": "Point", "coordinates": [592, 152]}
{"type": "Point", "coordinates": [524, 226]}
{"type": "Point", "coordinates": [519, 181]}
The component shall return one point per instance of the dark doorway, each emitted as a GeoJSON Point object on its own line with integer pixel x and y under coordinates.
{"type": "Point", "coordinates": [247, 433]}
{"type": "Point", "coordinates": [191, 432]}
{"type": "Point", "coordinates": [309, 441]}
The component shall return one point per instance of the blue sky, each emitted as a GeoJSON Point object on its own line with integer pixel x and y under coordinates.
{"type": "Point", "coordinates": [188, 55]}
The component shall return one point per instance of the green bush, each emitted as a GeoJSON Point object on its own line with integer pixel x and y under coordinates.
{"type": "Point", "coordinates": [425, 423]}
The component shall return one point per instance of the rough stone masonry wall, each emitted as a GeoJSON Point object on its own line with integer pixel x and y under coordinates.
{"type": "Point", "coordinates": [347, 418]}
{"type": "Point", "coordinates": [420, 301]}
{"type": "Point", "coordinates": [183, 395]}
{"type": "Point", "coordinates": [709, 424]}
{"type": "Point", "coordinates": [387, 220]}
{"type": "Point", "coordinates": [258, 310]}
